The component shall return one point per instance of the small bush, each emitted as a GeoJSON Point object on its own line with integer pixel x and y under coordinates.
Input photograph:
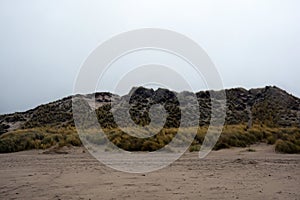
{"type": "Point", "coordinates": [221, 145]}
{"type": "Point", "coordinates": [73, 140]}
{"type": "Point", "coordinates": [250, 150]}
{"type": "Point", "coordinates": [286, 147]}
{"type": "Point", "coordinates": [195, 148]}
{"type": "Point", "coordinates": [271, 140]}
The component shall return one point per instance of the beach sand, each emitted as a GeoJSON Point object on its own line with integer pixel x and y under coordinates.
{"type": "Point", "coordinates": [226, 174]}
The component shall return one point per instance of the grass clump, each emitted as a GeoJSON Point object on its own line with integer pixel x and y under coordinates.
{"type": "Point", "coordinates": [286, 147]}
{"type": "Point", "coordinates": [38, 138]}
{"type": "Point", "coordinates": [196, 147]}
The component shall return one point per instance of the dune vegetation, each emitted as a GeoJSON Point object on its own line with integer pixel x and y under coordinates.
{"type": "Point", "coordinates": [286, 140]}
{"type": "Point", "coordinates": [38, 138]}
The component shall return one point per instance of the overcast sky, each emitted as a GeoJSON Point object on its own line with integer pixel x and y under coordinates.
{"type": "Point", "coordinates": [43, 43]}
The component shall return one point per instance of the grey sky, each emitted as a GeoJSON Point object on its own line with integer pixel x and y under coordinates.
{"type": "Point", "coordinates": [43, 43]}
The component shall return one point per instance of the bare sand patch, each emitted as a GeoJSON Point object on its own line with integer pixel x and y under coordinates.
{"type": "Point", "coordinates": [226, 174]}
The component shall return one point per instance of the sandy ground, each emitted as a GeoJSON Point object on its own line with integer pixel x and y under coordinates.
{"type": "Point", "coordinates": [225, 174]}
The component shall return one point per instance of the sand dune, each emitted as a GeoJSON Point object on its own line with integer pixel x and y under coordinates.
{"type": "Point", "coordinates": [225, 174]}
